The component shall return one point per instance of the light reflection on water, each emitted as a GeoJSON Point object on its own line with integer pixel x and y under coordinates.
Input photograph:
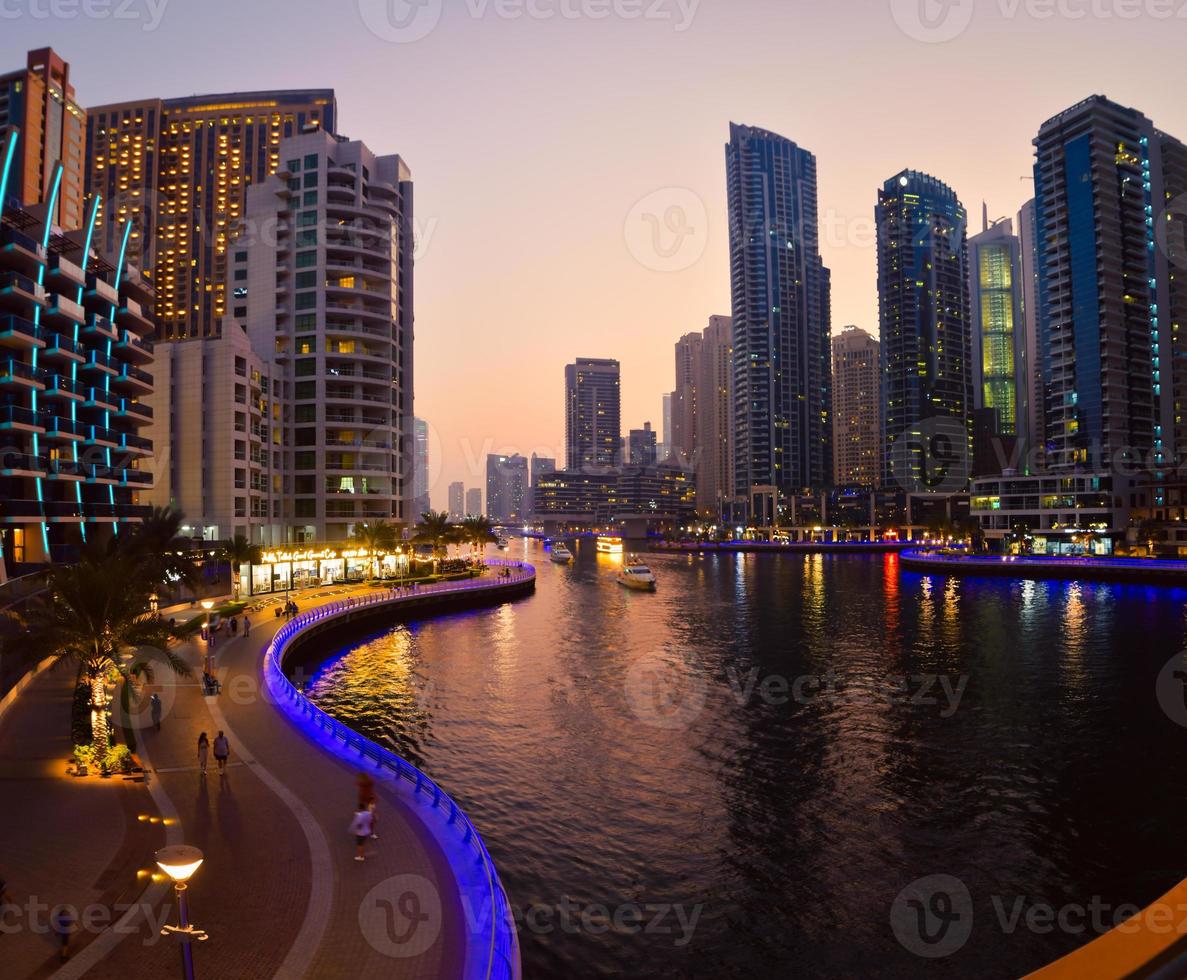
{"type": "Point", "coordinates": [793, 825]}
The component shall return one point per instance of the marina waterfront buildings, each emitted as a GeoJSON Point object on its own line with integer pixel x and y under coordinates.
{"type": "Point", "coordinates": [857, 410]}
{"type": "Point", "coordinates": [326, 309]}
{"type": "Point", "coordinates": [180, 171]}
{"type": "Point", "coordinates": [421, 502]}
{"type": "Point", "coordinates": [457, 501]}
{"type": "Point", "coordinates": [507, 488]}
{"type": "Point", "coordinates": [643, 449]}
{"type": "Point", "coordinates": [781, 317]}
{"type": "Point", "coordinates": [474, 502]}
{"type": "Point", "coordinates": [38, 102]}
{"type": "Point", "coordinates": [925, 336]}
{"type": "Point", "coordinates": [593, 414]}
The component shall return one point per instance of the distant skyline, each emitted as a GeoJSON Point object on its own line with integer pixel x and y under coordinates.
{"type": "Point", "coordinates": [546, 150]}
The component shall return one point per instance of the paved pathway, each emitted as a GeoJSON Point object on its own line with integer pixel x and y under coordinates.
{"type": "Point", "coordinates": [279, 894]}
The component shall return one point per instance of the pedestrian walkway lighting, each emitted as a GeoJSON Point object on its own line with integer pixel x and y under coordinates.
{"type": "Point", "coordinates": [179, 862]}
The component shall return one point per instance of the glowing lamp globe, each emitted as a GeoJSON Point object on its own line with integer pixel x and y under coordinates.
{"type": "Point", "coordinates": [179, 861]}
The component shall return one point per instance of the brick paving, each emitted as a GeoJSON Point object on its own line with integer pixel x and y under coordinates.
{"type": "Point", "coordinates": [279, 893]}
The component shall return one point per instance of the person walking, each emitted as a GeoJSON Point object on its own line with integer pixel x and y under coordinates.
{"type": "Point", "coordinates": [222, 749]}
{"type": "Point", "coordinates": [62, 922]}
{"type": "Point", "coordinates": [234, 626]}
{"type": "Point", "coordinates": [246, 625]}
{"type": "Point", "coordinates": [368, 800]}
{"type": "Point", "coordinates": [154, 704]}
{"type": "Point", "coordinates": [361, 826]}
{"type": "Point", "coordinates": [203, 752]}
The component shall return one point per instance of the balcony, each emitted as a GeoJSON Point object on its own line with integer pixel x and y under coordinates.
{"type": "Point", "coordinates": [20, 251]}
{"type": "Point", "coordinates": [137, 411]}
{"type": "Point", "coordinates": [57, 386]}
{"type": "Point", "coordinates": [133, 348]}
{"type": "Point", "coordinates": [57, 427]}
{"type": "Point", "coordinates": [138, 478]}
{"type": "Point", "coordinates": [100, 328]}
{"type": "Point", "coordinates": [137, 380]}
{"type": "Point", "coordinates": [19, 511]}
{"type": "Point", "coordinates": [101, 363]}
{"type": "Point", "coordinates": [63, 313]}
{"type": "Point", "coordinates": [65, 469]}
{"type": "Point", "coordinates": [22, 419]}
{"type": "Point", "coordinates": [13, 463]}
{"type": "Point", "coordinates": [60, 346]}
{"type": "Point", "coordinates": [132, 314]}
{"type": "Point", "coordinates": [17, 332]}
{"type": "Point", "coordinates": [18, 293]}
{"type": "Point", "coordinates": [101, 289]}
{"type": "Point", "coordinates": [66, 270]}
{"type": "Point", "coordinates": [97, 435]}
{"type": "Point", "coordinates": [18, 374]}
{"type": "Point", "coordinates": [135, 444]}
{"type": "Point", "coordinates": [62, 511]}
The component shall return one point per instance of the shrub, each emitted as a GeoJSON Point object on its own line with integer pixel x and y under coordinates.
{"type": "Point", "coordinates": [85, 757]}
{"type": "Point", "coordinates": [118, 759]}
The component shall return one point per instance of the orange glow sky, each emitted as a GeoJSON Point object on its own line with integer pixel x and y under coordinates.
{"type": "Point", "coordinates": [533, 138]}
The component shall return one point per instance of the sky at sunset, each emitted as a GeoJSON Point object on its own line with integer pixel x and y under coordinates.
{"type": "Point", "coordinates": [568, 154]}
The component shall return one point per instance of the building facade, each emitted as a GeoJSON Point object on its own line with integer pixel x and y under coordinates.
{"type": "Point", "coordinates": [685, 438]}
{"type": "Point", "coordinates": [1106, 183]}
{"type": "Point", "coordinates": [593, 414]}
{"type": "Point", "coordinates": [38, 102]}
{"type": "Point", "coordinates": [715, 419]}
{"type": "Point", "coordinates": [74, 359]}
{"type": "Point", "coordinates": [507, 487]}
{"type": "Point", "coordinates": [219, 417]}
{"type": "Point", "coordinates": [998, 319]}
{"type": "Point", "coordinates": [457, 501]}
{"type": "Point", "coordinates": [474, 502]}
{"type": "Point", "coordinates": [643, 448]}
{"type": "Point", "coordinates": [180, 171]}
{"type": "Point", "coordinates": [421, 499]}
{"type": "Point", "coordinates": [1030, 371]}
{"type": "Point", "coordinates": [330, 304]}
{"type": "Point", "coordinates": [781, 316]}
{"type": "Point", "coordinates": [925, 336]}
{"type": "Point", "coordinates": [857, 410]}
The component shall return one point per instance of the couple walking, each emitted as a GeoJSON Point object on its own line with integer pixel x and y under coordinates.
{"type": "Point", "coordinates": [222, 751]}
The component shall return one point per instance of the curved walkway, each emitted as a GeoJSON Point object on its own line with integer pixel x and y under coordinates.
{"type": "Point", "coordinates": [279, 893]}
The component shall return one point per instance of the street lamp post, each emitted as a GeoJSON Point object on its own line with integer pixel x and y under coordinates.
{"type": "Point", "coordinates": [207, 604]}
{"type": "Point", "coordinates": [179, 862]}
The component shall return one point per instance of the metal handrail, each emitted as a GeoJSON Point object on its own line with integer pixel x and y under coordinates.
{"type": "Point", "coordinates": [502, 959]}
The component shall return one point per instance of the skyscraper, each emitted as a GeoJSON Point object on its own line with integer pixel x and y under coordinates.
{"type": "Point", "coordinates": [593, 414]}
{"type": "Point", "coordinates": [643, 447]}
{"type": "Point", "coordinates": [474, 502]}
{"type": "Point", "coordinates": [923, 301]}
{"type": "Point", "coordinates": [857, 409]}
{"type": "Point", "coordinates": [331, 303]}
{"type": "Point", "coordinates": [999, 335]}
{"type": "Point", "coordinates": [457, 501]}
{"type": "Point", "coordinates": [1110, 295]}
{"type": "Point", "coordinates": [1030, 372]}
{"type": "Point", "coordinates": [506, 488]}
{"type": "Point", "coordinates": [665, 447]}
{"type": "Point", "coordinates": [180, 169]}
{"type": "Point", "coordinates": [715, 418]}
{"type": "Point", "coordinates": [421, 502]}
{"type": "Point", "coordinates": [38, 101]}
{"type": "Point", "coordinates": [781, 316]}
{"type": "Point", "coordinates": [684, 398]}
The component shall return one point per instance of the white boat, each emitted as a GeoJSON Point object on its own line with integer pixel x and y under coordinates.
{"type": "Point", "coordinates": [561, 555]}
{"type": "Point", "coordinates": [502, 543]}
{"type": "Point", "coordinates": [635, 575]}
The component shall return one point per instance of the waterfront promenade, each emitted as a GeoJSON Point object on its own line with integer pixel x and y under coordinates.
{"type": "Point", "coordinates": [279, 892]}
{"type": "Point", "coordinates": [1135, 571]}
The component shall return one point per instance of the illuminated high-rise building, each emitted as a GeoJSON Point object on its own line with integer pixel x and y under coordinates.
{"type": "Point", "coordinates": [457, 501]}
{"type": "Point", "coordinates": [923, 301]}
{"type": "Point", "coordinates": [593, 415]}
{"type": "Point", "coordinates": [781, 316]}
{"type": "Point", "coordinates": [38, 101]}
{"type": "Point", "coordinates": [857, 410]}
{"type": "Point", "coordinates": [1112, 294]}
{"type": "Point", "coordinates": [179, 169]}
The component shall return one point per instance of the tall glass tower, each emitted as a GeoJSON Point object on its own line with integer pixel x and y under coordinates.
{"type": "Point", "coordinates": [923, 301]}
{"type": "Point", "coordinates": [781, 321]}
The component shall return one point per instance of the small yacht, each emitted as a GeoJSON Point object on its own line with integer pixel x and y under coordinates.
{"type": "Point", "coordinates": [501, 543]}
{"type": "Point", "coordinates": [560, 554]}
{"type": "Point", "coordinates": [634, 574]}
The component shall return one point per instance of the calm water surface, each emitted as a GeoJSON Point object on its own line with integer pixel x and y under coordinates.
{"type": "Point", "coordinates": [624, 751]}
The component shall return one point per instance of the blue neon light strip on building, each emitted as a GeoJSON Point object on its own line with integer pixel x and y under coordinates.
{"type": "Point", "coordinates": [119, 275]}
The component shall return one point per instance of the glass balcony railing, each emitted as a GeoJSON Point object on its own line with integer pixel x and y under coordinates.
{"type": "Point", "coordinates": [56, 343]}
{"type": "Point", "coordinates": [129, 441]}
{"type": "Point", "coordinates": [11, 369]}
{"type": "Point", "coordinates": [14, 462]}
{"type": "Point", "coordinates": [11, 415]}
{"type": "Point", "coordinates": [17, 326]}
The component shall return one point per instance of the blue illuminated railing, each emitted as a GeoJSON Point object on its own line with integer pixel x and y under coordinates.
{"type": "Point", "coordinates": [502, 960]}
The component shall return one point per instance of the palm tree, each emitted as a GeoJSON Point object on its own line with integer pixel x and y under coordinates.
{"type": "Point", "coordinates": [435, 530]}
{"type": "Point", "coordinates": [239, 551]}
{"type": "Point", "coordinates": [378, 538]}
{"type": "Point", "coordinates": [159, 547]}
{"type": "Point", "coordinates": [478, 531]}
{"type": "Point", "coordinates": [91, 613]}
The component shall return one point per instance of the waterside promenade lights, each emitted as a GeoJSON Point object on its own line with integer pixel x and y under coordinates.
{"type": "Point", "coordinates": [179, 862]}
